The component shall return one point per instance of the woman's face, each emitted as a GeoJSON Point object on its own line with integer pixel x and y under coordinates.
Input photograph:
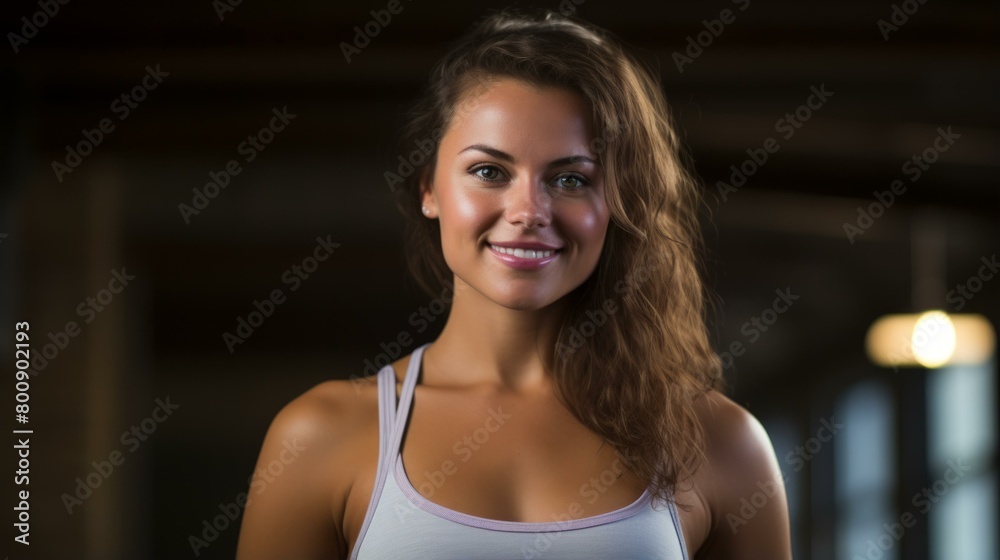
{"type": "Point", "coordinates": [519, 194]}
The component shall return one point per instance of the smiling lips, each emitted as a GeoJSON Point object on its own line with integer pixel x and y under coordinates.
{"type": "Point", "coordinates": [525, 253]}
{"type": "Point", "coordinates": [525, 256]}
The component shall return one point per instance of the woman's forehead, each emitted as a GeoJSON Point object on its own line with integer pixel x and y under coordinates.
{"type": "Point", "coordinates": [520, 116]}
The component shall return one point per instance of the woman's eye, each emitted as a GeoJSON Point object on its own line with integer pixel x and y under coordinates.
{"type": "Point", "coordinates": [493, 174]}
{"type": "Point", "coordinates": [487, 173]}
{"type": "Point", "coordinates": [571, 181]}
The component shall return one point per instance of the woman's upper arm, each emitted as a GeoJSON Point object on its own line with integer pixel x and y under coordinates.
{"type": "Point", "coordinates": [750, 509]}
{"type": "Point", "coordinates": [289, 510]}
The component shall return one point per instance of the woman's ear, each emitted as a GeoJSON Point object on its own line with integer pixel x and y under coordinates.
{"type": "Point", "coordinates": [427, 199]}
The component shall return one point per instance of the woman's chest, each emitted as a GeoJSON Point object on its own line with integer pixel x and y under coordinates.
{"type": "Point", "coordinates": [511, 459]}
{"type": "Point", "coordinates": [526, 460]}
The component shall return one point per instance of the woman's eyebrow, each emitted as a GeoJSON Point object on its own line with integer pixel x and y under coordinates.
{"type": "Point", "coordinates": [499, 154]}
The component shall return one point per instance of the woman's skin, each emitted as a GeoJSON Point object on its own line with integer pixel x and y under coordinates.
{"type": "Point", "coordinates": [490, 368]}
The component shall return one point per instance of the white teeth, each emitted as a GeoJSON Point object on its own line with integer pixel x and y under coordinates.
{"type": "Point", "coordinates": [523, 253]}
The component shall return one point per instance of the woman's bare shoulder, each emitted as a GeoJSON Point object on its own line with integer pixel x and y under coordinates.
{"type": "Point", "coordinates": [734, 438]}
{"type": "Point", "coordinates": [337, 409]}
{"type": "Point", "coordinates": [742, 467]}
{"type": "Point", "coordinates": [725, 421]}
{"type": "Point", "coordinates": [331, 412]}
{"type": "Point", "coordinates": [305, 469]}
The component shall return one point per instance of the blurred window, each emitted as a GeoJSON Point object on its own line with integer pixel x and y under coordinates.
{"type": "Point", "coordinates": [961, 500]}
{"type": "Point", "coordinates": [865, 472]}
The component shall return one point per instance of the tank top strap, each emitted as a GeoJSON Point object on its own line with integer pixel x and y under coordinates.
{"type": "Point", "coordinates": [387, 438]}
{"type": "Point", "coordinates": [386, 409]}
{"type": "Point", "coordinates": [406, 398]}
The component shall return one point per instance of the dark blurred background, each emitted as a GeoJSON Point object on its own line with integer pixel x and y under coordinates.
{"type": "Point", "coordinates": [857, 442]}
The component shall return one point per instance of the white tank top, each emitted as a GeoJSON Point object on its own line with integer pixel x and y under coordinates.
{"type": "Point", "coordinates": [401, 524]}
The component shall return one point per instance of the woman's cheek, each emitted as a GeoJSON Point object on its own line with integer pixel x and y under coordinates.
{"type": "Point", "coordinates": [467, 207]}
{"type": "Point", "coordinates": [588, 222]}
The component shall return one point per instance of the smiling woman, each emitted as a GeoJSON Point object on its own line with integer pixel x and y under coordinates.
{"type": "Point", "coordinates": [523, 225]}
{"type": "Point", "coordinates": [557, 204]}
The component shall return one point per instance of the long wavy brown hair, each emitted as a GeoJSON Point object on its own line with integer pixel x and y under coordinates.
{"type": "Point", "coordinates": [635, 378]}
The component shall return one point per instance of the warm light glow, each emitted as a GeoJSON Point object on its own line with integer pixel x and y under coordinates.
{"type": "Point", "coordinates": [931, 339]}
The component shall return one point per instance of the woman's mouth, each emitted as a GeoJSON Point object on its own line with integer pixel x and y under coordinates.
{"type": "Point", "coordinates": [524, 253]}
{"type": "Point", "coordinates": [524, 259]}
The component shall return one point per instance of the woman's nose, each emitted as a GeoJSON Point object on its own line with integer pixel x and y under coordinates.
{"type": "Point", "coordinates": [529, 203]}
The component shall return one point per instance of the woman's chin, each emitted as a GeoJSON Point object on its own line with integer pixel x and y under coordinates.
{"type": "Point", "coordinates": [524, 301]}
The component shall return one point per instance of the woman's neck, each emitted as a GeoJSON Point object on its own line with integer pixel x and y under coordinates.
{"type": "Point", "coordinates": [488, 345]}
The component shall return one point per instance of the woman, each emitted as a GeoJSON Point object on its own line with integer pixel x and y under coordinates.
{"type": "Point", "coordinates": [569, 408]}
